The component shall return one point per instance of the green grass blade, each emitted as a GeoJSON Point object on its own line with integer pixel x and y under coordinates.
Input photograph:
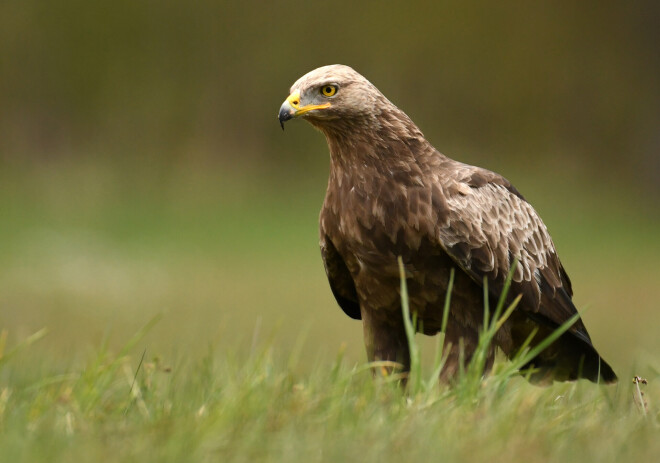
{"type": "Point", "coordinates": [525, 357]}
{"type": "Point", "coordinates": [414, 379]}
{"type": "Point", "coordinates": [440, 357]}
{"type": "Point", "coordinates": [505, 289]}
{"type": "Point", "coordinates": [27, 342]}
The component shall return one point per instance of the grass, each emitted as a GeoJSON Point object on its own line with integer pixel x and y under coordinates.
{"type": "Point", "coordinates": [255, 407]}
{"type": "Point", "coordinates": [190, 320]}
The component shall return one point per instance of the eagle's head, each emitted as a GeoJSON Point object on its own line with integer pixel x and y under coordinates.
{"type": "Point", "coordinates": [333, 94]}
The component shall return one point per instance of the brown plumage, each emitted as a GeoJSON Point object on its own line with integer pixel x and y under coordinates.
{"type": "Point", "coordinates": [390, 193]}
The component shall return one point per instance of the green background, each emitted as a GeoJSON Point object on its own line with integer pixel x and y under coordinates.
{"type": "Point", "coordinates": [143, 171]}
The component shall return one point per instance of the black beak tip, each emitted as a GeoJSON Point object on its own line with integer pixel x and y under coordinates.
{"type": "Point", "coordinates": [284, 116]}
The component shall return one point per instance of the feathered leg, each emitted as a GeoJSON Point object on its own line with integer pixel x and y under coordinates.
{"type": "Point", "coordinates": [461, 345]}
{"type": "Point", "coordinates": [385, 340]}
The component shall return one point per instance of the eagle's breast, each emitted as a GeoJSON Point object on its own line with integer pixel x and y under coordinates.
{"type": "Point", "coordinates": [372, 217]}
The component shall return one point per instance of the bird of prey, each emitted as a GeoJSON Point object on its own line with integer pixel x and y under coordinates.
{"type": "Point", "coordinates": [391, 193]}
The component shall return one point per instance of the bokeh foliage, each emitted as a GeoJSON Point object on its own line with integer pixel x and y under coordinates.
{"type": "Point", "coordinates": [575, 80]}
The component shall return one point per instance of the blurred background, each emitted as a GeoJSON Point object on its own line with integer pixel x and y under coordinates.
{"type": "Point", "coordinates": [143, 171]}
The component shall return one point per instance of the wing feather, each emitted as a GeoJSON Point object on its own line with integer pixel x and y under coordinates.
{"type": "Point", "coordinates": [488, 224]}
{"type": "Point", "coordinates": [341, 282]}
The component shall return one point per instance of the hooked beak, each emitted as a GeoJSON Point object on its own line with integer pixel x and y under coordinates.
{"type": "Point", "coordinates": [291, 108]}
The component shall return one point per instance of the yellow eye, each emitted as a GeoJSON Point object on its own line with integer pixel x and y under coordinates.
{"type": "Point", "coordinates": [328, 90]}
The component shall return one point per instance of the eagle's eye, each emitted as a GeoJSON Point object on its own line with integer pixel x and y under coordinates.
{"type": "Point", "coordinates": [328, 90]}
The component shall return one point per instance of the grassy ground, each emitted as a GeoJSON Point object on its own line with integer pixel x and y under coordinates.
{"type": "Point", "coordinates": [219, 284]}
{"type": "Point", "coordinates": [256, 408]}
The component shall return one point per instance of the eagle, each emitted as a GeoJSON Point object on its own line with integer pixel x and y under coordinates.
{"type": "Point", "coordinates": [391, 195]}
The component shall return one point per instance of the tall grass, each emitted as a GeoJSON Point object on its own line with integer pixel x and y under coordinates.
{"type": "Point", "coordinates": [234, 406]}
{"type": "Point", "coordinates": [471, 376]}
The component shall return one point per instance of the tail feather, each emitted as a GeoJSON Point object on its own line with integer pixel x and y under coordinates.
{"type": "Point", "coordinates": [568, 359]}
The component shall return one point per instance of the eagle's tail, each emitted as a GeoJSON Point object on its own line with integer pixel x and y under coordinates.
{"type": "Point", "coordinates": [569, 358]}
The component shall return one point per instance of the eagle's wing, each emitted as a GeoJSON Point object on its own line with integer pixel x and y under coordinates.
{"type": "Point", "coordinates": [488, 224]}
{"type": "Point", "coordinates": [340, 279]}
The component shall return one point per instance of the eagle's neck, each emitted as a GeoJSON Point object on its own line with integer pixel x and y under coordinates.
{"type": "Point", "coordinates": [387, 143]}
